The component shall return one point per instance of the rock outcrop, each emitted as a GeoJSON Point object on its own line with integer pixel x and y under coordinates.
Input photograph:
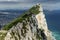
{"type": "Point", "coordinates": [33, 27]}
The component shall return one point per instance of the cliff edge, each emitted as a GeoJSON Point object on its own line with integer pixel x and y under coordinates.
{"type": "Point", "coordinates": [30, 26]}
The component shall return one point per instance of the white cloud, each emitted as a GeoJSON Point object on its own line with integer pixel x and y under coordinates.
{"type": "Point", "coordinates": [51, 6]}
{"type": "Point", "coordinates": [16, 6]}
{"type": "Point", "coordinates": [25, 4]}
{"type": "Point", "coordinates": [11, 0]}
{"type": "Point", "coordinates": [8, 0]}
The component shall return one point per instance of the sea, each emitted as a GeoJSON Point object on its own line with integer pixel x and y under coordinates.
{"type": "Point", "coordinates": [53, 21]}
{"type": "Point", "coordinates": [52, 17]}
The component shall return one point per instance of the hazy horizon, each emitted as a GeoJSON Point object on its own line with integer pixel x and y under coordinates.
{"type": "Point", "coordinates": [26, 4]}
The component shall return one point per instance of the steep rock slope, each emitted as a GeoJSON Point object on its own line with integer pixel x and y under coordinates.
{"type": "Point", "coordinates": [33, 26]}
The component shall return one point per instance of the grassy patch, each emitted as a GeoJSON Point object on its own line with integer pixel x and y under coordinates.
{"type": "Point", "coordinates": [2, 36]}
{"type": "Point", "coordinates": [33, 10]}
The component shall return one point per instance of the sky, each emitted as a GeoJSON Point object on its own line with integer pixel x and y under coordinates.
{"type": "Point", "coordinates": [26, 4]}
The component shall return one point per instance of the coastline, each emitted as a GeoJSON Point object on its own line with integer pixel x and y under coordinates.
{"type": "Point", "coordinates": [56, 34]}
{"type": "Point", "coordinates": [52, 36]}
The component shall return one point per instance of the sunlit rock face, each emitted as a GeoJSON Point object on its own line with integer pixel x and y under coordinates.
{"type": "Point", "coordinates": [42, 24]}
{"type": "Point", "coordinates": [42, 21]}
{"type": "Point", "coordinates": [32, 28]}
{"type": "Point", "coordinates": [27, 30]}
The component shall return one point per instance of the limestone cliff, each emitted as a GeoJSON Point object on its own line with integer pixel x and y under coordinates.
{"type": "Point", "coordinates": [32, 27]}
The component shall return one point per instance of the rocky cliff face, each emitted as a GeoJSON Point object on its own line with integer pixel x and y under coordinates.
{"type": "Point", "coordinates": [33, 27]}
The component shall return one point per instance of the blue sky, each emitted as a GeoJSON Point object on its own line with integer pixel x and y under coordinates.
{"type": "Point", "coordinates": [25, 4]}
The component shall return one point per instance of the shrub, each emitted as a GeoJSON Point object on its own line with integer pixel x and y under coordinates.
{"type": "Point", "coordinates": [33, 10]}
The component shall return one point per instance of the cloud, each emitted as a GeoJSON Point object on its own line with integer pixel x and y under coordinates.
{"type": "Point", "coordinates": [40, 1]}
{"type": "Point", "coordinates": [34, 1]}
{"type": "Point", "coordinates": [51, 6]}
{"type": "Point", "coordinates": [30, 1]}
{"type": "Point", "coordinates": [26, 4]}
{"type": "Point", "coordinates": [8, 0]}
{"type": "Point", "coordinates": [16, 6]}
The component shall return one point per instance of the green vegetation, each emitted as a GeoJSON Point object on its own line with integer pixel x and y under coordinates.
{"type": "Point", "coordinates": [33, 10]}
{"type": "Point", "coordinates": [18, 35]}
{"type": "Point", "coordinates": [38, 37]}
{"type": "Point", "coordinates": [12, 33]}
{"type": "Point", "coordinates": [2, 36]}
{"type": "Point", "coordinates": [24, 30]}
{"type": "Point", "coordinates": [14, 22]}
